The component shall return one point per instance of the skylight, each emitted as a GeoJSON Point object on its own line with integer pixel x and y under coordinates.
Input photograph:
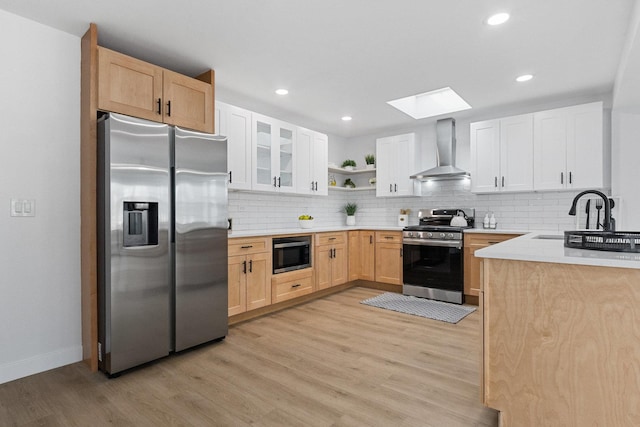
{"type": "Point", "coordinates": [429, 104]}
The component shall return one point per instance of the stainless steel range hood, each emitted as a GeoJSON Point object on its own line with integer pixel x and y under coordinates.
{"type": "Point", "coordinates": [446, 155]}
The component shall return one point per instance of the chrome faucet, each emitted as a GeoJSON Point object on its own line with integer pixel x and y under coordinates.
{"type": "Point", "coordinates": [608, 223]}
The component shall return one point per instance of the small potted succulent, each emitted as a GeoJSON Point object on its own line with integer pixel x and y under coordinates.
{"type": "Point", "coordinates": [350, 209]}
{"type": "Point", "coordinates": [349, 164]}
{"type": "Point", "coordinates": [349, 184]}
{"type": "Point", "coordinates": [370, 159]}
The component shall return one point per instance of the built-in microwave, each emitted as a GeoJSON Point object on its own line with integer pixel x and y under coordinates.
{"type": "Point", "coordinates": [291, 253]}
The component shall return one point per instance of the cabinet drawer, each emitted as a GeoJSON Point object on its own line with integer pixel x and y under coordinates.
{"type": "Point", "coordinates": [389, 236]}
{"type": "Point", "coordinates": [331, 238]}
{"type": "Point", "coordinates": [252, 245]}
{"type": "Point", "coordinates": [292, 286]}
{"type": "Point", "coordinates": [486, 239]}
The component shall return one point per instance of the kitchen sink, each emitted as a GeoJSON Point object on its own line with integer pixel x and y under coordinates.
{"type": "Point", "coordinates": [549, 237]}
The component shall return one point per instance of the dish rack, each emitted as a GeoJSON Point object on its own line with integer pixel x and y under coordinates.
{"type": "Point", "coordinates": [612, 241]}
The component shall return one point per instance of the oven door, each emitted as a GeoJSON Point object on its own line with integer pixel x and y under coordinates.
{"type": "Point", "coordinates": [433, 264]}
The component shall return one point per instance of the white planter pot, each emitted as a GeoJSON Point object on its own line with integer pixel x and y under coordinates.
{"type": "Point", "coordinates": [348, 168]}
{"type": "Point", "coordinates": [370, 166]}
{"type": "Point", "coordinates": [351, 220]}
{"type": "Point", "coordinates": [403, 220]}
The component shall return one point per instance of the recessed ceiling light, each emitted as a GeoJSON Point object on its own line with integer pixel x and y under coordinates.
{"type": "Point", "coordinates": [282, 92]}
{"type": "Point", "coordinates": [429, 104]}
{"type": "Point", "coordinates": [524, 78]}
{"type": "Point", "coordinates": [346, 118]}
{"type": "Point", "coordinates": [498, 18]}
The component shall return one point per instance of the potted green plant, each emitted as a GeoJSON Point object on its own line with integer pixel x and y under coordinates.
{"type": "Point", "coordinates": [349, 184]}
{"type": "Point", "coordinates": [349, 164]}
{"type": "Point", "coordinates": [350, 209]}
{"type": "Point", "coordinates": [370, 159]}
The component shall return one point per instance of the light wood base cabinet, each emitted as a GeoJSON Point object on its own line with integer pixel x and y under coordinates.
{"type": "Point", "coordinates": [290, 285]}
{"type": "Point", "coordinates": [331, 259]}
{"type": "Point", "coordinates": [388, 255]}
{"type": "Point", "coordinates": [249, 272]}
{"type": "Point", "coordinates": [472, 243]}
{"type": "Point", "coordinates": [560, 344]}
{"type": "Point", "coordinates": [362, 252]}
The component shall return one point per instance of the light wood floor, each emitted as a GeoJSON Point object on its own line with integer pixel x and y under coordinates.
{"type": "Point", "coordinates": [329, 362]}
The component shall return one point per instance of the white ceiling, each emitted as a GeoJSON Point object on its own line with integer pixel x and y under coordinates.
{"type": "Point", "coordinates": [349, 57]}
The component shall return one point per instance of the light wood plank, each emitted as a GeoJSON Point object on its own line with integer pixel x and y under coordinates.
{"type": "Point", "coordinates": [329, 362]}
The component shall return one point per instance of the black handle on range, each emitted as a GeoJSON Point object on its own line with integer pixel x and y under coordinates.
{"type": "Point", "coordinates": [244, 267]}
{"type": "Point", "coordinates": [159, 105]}
{"type": "Point", "coordinates": [169, 108]}
{"type": "Point", "coordinates": [250, 266]}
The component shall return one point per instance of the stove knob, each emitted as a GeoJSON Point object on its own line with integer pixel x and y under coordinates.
{"type": "Point", "coordinates": [429, 235]}
{"type": "Point", "coordinates": [410, 234]}
{"type": "Point", "coordinates": [442, 235]}
{"type": "Point", "coordinates": [450, 236]}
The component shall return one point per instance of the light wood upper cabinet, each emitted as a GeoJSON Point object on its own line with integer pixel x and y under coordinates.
{"type": "Point", "coordinates": [188, 102]}
{"type": "Point", "coordinates": [569, 149]}
{"type": "Point", "coordinates": [136, 88]}
{"type": "Point", "coordinates": [502, 154]}
{"type": "Point", "coordinates": [129, 86]}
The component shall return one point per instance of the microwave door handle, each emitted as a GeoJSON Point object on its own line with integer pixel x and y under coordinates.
{"type": "Point", "coordinates": [289, 245]}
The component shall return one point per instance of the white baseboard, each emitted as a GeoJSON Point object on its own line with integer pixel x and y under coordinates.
{"type": "Point", "coordinates": [40, 363]}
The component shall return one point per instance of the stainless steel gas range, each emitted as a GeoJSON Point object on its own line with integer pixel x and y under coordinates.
{"type": "Point", "coordinates": [432, 254]}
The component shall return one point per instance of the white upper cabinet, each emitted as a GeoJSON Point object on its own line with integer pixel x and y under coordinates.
{"type": "Point", "coordinates": [235, 124]}
{"type": "Point", "coordinates": [273, 154]}
{"type": "Point", "coordinates": [311, 162]}
{"type": "Point", "coordinates": [396, 159]}
{"type": "Point", "coordinates": [502, 154]}
{"type": "Point", "coordinates": [569, 149]}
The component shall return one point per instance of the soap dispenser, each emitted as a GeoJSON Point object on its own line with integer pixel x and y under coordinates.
{"type": "Point", "coordinates": [492, 221]}
{"type": "Point", "coordinates": [485, 223]}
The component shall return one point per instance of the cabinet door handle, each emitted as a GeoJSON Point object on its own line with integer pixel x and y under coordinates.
{"type": "Point", "coordinates": [330, 254]}
{"type": "Point", "coordinates": [159, 105]}
{"type": "Point", "coordinates": [493, 243]}
{"type": "Point", "coordinates": [332, 238]}
{"type": "Point", "coordinates": [244, 267]}
{"type": "Point", "coordinates": [395, 187]}
{"type": "Point", "coordinates": [230, 178]}
{"type": "Point", "coordinates": [250, 266]}
{"type": "Point", "coordinates": [169, 108]}
{"type": "Point", "coordinates": [561, 177]}
{"type": "Point", "coordinates": [401, 253]}
{"type": "Point", "coordinates": [247, 247]}
{"type": "Point", "coordinates": [390, 188]}
{"type": "Point", "coordinates": [371, 240]}
{"type": "Point", "coordinates": [278, 182]}
{"type": "Point", "coordinates": [316, 185]}
{"type": "Point", "coordinates": [495, 181]}
{"type": "Point", "coordinates": [311, 185]}
{"type": "Point", "coordinates": [334, 252]}
{"type": "Point", "coordinates": [297, 285]}
{"type": "Point", "coordinates": [274, 181]}
{"type": "Point", "coordinates": [388, 237]}
{"type": "Point", "coordinates": [570, 177]}
{"type": "Point", "coordinates": [503, 182]}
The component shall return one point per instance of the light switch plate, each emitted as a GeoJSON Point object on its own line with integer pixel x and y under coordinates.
{"type": "Point", "coordinates": [23, 207]}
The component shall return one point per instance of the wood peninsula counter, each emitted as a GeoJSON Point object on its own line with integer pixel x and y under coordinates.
{"type": "Point", "coordinates": [560, 334]}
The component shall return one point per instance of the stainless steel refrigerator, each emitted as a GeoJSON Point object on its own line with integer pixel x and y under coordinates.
{"type": "Point", "coordinates": [162, 240]}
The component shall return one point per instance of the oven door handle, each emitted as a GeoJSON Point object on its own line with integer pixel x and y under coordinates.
{"type": "Point", "coordinates": [440, 243]}
{"type": "Point", "coordinates": [289, 245]}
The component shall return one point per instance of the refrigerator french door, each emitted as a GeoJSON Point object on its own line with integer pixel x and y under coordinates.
{"type": "Point", "coordinates": [162, 239]}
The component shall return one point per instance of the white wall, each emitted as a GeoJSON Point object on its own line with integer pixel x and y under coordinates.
{"type": "Point", "coordinates": [625, 143]}
{"type": "Point", "coordinates": [40, 256]}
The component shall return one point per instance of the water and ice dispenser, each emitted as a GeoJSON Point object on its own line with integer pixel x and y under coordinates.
{"type": "Point", "coordinates": [140, 224]}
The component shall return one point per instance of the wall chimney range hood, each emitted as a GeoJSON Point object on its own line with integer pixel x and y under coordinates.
{"type": "Point", "coordinates": [446, 155]}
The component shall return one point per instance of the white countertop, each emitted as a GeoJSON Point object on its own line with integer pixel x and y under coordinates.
{"type": "Point", "coordinates": [531, 248]}
{"type": "Point", "coordinates": [299, 230]}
